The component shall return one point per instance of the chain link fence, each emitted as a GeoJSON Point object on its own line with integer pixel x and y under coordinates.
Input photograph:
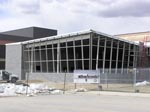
{"type": "Point", "coordinates": [126, 80]}
{"type": "Point", "coordinates": [117, 80]}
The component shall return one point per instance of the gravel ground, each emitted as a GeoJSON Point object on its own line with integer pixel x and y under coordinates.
{"type": "Point", "coordinates": [74, 103]}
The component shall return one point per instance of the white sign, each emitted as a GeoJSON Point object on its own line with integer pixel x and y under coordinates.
{"type": "Point", "coordinates": [86, 76]}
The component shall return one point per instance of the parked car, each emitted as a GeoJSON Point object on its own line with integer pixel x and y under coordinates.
{"type": "Point", "coordinates": [9, 77]}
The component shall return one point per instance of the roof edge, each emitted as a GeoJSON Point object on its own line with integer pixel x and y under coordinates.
{"type": "Point", "coordinates": [75, 34]}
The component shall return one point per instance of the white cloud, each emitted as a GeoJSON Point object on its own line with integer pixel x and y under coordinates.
{"type": "Point", "coordinates": [109, 16]}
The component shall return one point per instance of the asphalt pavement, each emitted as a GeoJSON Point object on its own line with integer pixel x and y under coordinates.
{"type": "Point", "coordinates": [75, 103]}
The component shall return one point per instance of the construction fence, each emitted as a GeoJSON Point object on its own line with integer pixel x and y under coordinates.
{"type": "Point", "coordinates": [120, 80]}
{"type": "Point", "coordinates": [117, 80]}
{"type": "Point", "coordinates": [126, 80]}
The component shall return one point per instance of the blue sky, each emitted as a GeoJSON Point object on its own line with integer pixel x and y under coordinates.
{"type": "Point", "coordinates": [108, 16]}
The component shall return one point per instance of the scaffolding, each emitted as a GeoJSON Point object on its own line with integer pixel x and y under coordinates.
{"type": "Point", "coordinates": [143, 52]}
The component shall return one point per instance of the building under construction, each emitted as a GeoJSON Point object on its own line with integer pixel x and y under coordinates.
{"type": "Point", "coordinates": [53, 56]}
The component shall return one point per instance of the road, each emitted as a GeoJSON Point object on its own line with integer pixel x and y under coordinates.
{"type": "Point", "coordinates": [74, 103]}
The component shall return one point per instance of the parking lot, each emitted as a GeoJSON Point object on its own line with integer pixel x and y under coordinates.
{"type": "Point", "coordinates": [74, 103]}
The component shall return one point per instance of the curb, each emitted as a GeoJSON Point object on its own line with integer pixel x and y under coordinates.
{"type": "Point", "coordinates": [117, 93]}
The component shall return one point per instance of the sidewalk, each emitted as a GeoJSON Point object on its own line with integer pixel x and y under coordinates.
{"type": "Point", "coordinates": [116, 93]}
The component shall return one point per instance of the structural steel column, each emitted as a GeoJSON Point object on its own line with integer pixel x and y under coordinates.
{"type": "Point", "coordinates": [110, 61]}
{"type": "Point", "coordinates": [40, 58]}
{"type": "Point", "coordinates": [129, 55]}
{"type": "Point", "coordinates": [31, 61]}
{"type": "Point", "coordinates": [117, 57]}
{"type": "Point", "coordinates": [34, 58]}
{"type": "Point", "coordinates": [28, 57]}
{"type": "Point", "coordinates": [58, 55]}
{"type": "Point", "coordinates": [67, 56]}
{"type": "Point", "coordinates": [134, 56]}
{"type": "Point", "coordinates": [82, 53]}
{"type": "Point", "coordinates": [90, 53]}
{"type": "Point", "coordinates": [24, 68]}
{"type": "Point", "coordinates": [74, 53]}
{"type": "Point", "coordinates": [104, 55]}
{"type": "Point", "coordinates": [46, 56]}
{"type": "Point", "coordinates": [97, 57]}
{"type": "Point", "coordinates": [123, 57]}
{"type": "Point", "coordinates": [53, 56]}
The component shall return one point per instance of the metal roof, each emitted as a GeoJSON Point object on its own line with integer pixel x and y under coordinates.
{"type": "Point", "coordinates": [73, 34]}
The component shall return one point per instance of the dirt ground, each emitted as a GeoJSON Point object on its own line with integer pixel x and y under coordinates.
{"type": "Point", "coordinates": [74, 103]}
{"type": "Point", "coordinates": [94, 87]}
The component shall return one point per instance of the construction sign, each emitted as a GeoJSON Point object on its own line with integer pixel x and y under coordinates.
{"type": "Point", "coordinates": [86, 76]}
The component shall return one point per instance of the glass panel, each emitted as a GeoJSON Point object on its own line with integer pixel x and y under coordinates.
{"type": "Point", "coordinates": [86, 42]}
{"type": "Point", "coordinates": [100, 64]}
{"type": "Point", "coordinates": [34, 67]}
{"type": "Point", "coordinates": [125, 65]}
{"type": "Point", "coordinates": [43, 47]}
{"type": "Point", "coordinates": [120, 44]}
{"type": "Point", "coordinates": [78, 42]}
{"type": "Point", "coordinates": [108, 43]}
{"type": "Point", "coordinates": [64, 66]}
{"type": "Point", "coordinates": [78, 53]}
{"type": "Point", "coordinates": [94, 64]}
{"type": "Point", "coordinates": [106, 64]}
{"type": "Point", "coordinates": [29, 55]}
{"type": "Point", "coordinates": [71, 66]}
{"type": "Point", "coordinates": [55, 54]}
{"type": "Point", "coordinates": [37, 55]}
{"type": "Point", "coordinates": [37, 48]}
{"type": "Point", "coordinates": [63, 53]}
{"type": "Point", "coordinates": [69, 43]}
{"type": "Point", "coordinates": [26, 54]}
{"type": "Point", "coordinates": [101, 49]}
{"type": "Point", "coordinates": [55, 45]}
{"type": "Point", "coordinates": [119, 64]}
{"type": "Point", "coordinates": [115, 42]}
{"type": "Point", "coordinates": [37, 67]}
{"type": "Point", "coordinates": [102, 42]}
{"type": "Point", "coordinates": [63, 44]}
{"type": "Point", "coordinates": [43, 54]}
{"type": "Point", "coordinates": [120, 54]}
{"type": "Point", "coordinates": [107, 53]}
{"type": "Point", "coordinates": [49, 46]}
{"type": "Point", "coordinates": [94, 52]}
{"type": "Point", "coordinates": [86, 64]}
{"type": "Point", "coordinates": [86, 52]}
{"type": "Point", "coordinates": [95, 40]}
{"type": "Point", "coordinates": [55, 64]}
{"type": "Point", "coordinates": [50, 66]}
{"type": "Point", "coordinates": [70, 53]}
{"type": "Point", "coordinates": [113, 64]}
{"type": "Point", "coordinates": [78, 64]}
{"type": "Point", "coordinates": [44, 67]}
{"type": "Point", "coordinates": [114, 54]}
{"type": "Point", "coordinates": [49, 54]}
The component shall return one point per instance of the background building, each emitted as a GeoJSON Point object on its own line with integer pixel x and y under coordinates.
{"type": "Point", "coordinates": [143, 39]}
{"type": "Point", "coordinates": [136, 37]}
{"type": "Point", "coordinates": [88, 50]}
{"type": "Point", "coordinates": [21, 35]}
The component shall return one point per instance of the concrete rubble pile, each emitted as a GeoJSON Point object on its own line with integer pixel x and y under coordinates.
{"type": "Point", "coordinates": [9, 89]}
